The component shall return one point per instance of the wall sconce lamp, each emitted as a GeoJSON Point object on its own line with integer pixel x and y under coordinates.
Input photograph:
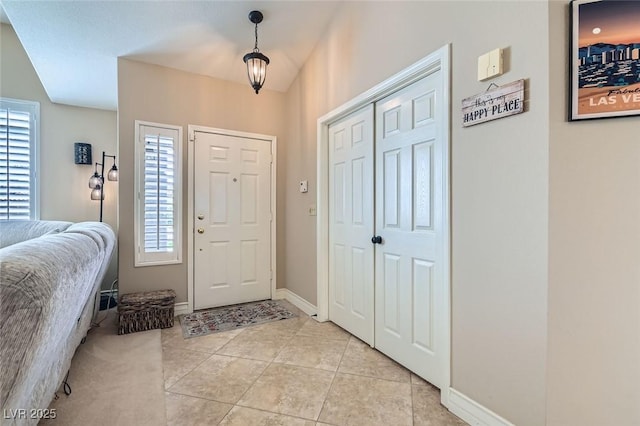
{"type": "Point", "coordinates": [256, 61]}
{"type": "Point", "coordinates": [96, 182]}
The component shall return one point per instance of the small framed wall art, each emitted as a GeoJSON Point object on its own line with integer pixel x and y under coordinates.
{"type": "Point", "coordinates": [82, 153]}
{"type": "Point", "coordinates": [605, 59]}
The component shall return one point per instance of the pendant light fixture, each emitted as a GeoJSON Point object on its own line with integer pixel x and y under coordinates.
{"type": "Point", "coordinates": [256, 61]}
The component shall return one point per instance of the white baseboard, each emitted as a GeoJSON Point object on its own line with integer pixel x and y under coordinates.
{"type": "Point", "coordinates": [472, 412]}
{"type": "Point", "coordinates": [297, 301]}
{"type": "Point", "coordinates": [181, 308]}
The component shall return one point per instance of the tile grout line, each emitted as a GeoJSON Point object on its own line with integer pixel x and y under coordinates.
{"type": "Point", "coordinates": [190, 350]}
{"type": "Point", "coordinates": [188, 372]}
{"type": "Point", "coordinates": [257, 378]}
{"type": "Point", "coordinates": [335, 374]}
{"type": "Point", "coordinates": [273, 361]}
{"type": "Point", "coordinates": [215, 353]}
{"type": "Point", "coordinates": [375, 377]}
{"type": "Point", "coordinates": [378, 377]}
{"type": "Point", "coordinates": [413, 417]}
{"type": "Point", "coordinates": [295, 334]}
{"type": "Point", "coordinates": [230, 340]}
{"type": "Point", "coordinates": [201, 398]}
{"type": "Point", "coordinates": [193, 397]}
{"type": "Point", "coordinates": [277, 414]}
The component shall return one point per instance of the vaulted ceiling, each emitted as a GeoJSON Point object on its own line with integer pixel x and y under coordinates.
{"type": "Point", "coordinates": [74, 45]}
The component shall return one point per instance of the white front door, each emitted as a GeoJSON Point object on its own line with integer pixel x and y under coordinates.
{"type": "Point", "coordinates": [232, 209]}
{"type": "Point", "coordinates": [351, 223]}
{"type": "Point", "coordinates": [410, 209]}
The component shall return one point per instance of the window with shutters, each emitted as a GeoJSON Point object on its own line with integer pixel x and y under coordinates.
{"type": "Point", "coordinates": [158, 194]}
{"type": "Point", "coordinates": [18, 159]}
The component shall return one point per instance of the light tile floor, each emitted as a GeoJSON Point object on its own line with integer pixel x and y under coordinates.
{"type": "Point", "coordinates": [291, 372]}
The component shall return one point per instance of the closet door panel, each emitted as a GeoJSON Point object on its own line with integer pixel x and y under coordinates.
{"type": "Point", "coordinates": [351, 223]}
{"type": "Point", "coordinates": [409, 201]}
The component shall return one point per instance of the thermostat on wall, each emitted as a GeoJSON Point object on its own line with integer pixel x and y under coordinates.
{"type": "Point", "coordinates": [490, 65]}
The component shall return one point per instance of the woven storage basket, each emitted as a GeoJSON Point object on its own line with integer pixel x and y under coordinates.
{"type": "Point", "coordinates": [145, 311]}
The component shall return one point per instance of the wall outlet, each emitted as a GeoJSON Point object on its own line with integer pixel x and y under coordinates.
{"type": "Point", "coordinates": [312, 210]}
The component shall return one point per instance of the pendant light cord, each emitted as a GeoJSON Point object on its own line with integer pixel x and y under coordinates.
{"type": "Point", "coordinates": [255, 48]}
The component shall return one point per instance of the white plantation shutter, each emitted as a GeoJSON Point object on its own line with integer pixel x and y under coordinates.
{"type": "Point", "coordinates": [159, 157]}
{"type": "Point", "coordinates": [18, 142]}
{"type": "Point", "coordinates": [158, 204]}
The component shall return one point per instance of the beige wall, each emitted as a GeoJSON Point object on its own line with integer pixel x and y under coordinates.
{"type": "Point", "coordinates": [163, 95]}
{"type": "Point", "coordinates": [499, 179]}
{"type": "Point", "coordinates": [594, 252]}
{"type": "Point", "coordinates": [64, 190]}
{"type": "Point", "coordinates": [545, 229]}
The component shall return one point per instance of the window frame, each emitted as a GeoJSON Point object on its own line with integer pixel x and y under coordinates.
{"type": "Point", "coordinates": [33, 107]}
{"type": "Point", "coordinates": [143, 258]}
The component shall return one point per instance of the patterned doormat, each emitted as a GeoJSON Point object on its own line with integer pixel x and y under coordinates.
{"type": "Point", "coordinates": [201, 323]}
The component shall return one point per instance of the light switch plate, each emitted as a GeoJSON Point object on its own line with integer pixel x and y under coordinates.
{"type": "Point", "coordinates": [304, 186]}
{"type": "Point", "coordinates": [490, 65]}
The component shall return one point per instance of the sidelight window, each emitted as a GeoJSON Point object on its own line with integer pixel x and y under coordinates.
{"type": "Point", "coordinates": [158, 194]}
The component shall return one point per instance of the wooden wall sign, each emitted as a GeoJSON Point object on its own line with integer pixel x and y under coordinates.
{"type": "Point", "coordinates": [500, 102]}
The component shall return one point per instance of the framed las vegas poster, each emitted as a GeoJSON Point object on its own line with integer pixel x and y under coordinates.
{"type": "Point", "coordinates": [605, 59]}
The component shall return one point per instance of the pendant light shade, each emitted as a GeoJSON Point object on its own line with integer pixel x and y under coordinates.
{"type": "Point", "coordinates": [96, 193]}
{"type": "Point", "coordinates": [113, 173]}
{"type": "Point", "coordinates": [256, 69]}
{"type": "Point", "coordinates": [256, 61]}
{"type": "Point", "coordinates": [95, 180]}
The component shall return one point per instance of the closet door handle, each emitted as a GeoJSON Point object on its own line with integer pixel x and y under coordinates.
{"type": "Point", "coordinates": [376, 239]}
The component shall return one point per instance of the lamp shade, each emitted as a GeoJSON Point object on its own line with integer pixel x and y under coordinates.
{"type": "Point", "coordinates": [113, 173]}
{"type": "Point", "coordinates": [97, 193]}
{"type": "Point", "coordinates": [256, 69]}
{"type": "Point", "coordinates": [95, 180]}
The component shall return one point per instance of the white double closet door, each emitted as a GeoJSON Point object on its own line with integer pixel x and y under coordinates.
{"type": "Point", "coordinates": [386, 226]}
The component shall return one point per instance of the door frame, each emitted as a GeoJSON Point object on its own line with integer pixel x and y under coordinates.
{"type": "Point", "coordinates": [436, 61]}
{"type": "Point", "coordinates": [191, 169]}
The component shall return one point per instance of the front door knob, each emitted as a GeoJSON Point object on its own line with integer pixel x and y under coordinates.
{"type": "Point", "coordinates": [200, 230]}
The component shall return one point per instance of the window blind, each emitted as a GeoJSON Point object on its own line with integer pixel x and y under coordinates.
{"type": "Point", "coordinates": [16, 163]}
{"type": "Point", "coordinates": [159, 186]}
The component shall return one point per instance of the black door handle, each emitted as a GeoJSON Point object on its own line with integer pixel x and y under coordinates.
{"type": "Point", "coordinates": [376, 239]}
